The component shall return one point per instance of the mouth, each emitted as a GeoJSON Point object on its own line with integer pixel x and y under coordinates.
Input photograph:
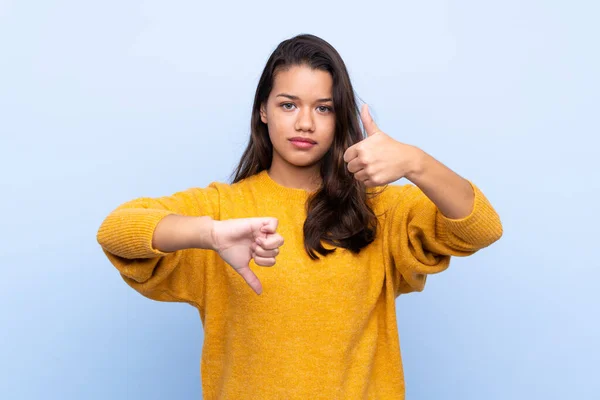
{"type": "Point", "coordinates": [299, 139]}
{"type": "Point", "coordinates": [301, 143]}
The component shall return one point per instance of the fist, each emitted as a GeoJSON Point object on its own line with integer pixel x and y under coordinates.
{"type": "Point", "coordinates": [237, 241]}
{"type": "Point", "coordinates": [379, 159]}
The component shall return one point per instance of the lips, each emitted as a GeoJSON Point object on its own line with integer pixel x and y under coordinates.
{"type": "Point", "coordinates": [302, 140]}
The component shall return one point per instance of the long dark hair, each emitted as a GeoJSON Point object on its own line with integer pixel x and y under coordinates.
{"type": "Point", "coordinates": [338, 212]}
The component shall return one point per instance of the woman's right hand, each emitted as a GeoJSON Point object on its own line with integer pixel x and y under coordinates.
{"type": "Point", "coordinates": [237, 241]}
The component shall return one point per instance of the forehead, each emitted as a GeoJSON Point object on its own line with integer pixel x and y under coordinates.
{"type": "Point", "coordinates": [304, 82]}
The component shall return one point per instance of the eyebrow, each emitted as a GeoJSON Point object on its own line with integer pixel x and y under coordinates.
{"type": "Point", "coordinates": [292, 97]}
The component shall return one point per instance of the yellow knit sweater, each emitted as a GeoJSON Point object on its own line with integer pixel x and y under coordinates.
{"type": "Point", "coordinates": [323, 329]}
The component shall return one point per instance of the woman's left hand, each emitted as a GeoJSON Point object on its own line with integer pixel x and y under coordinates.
{"type": "Point", "coordinates": [379, 159]}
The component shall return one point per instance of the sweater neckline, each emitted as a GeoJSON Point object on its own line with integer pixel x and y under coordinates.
{"type": "Point", "coordinates": [273, 187]}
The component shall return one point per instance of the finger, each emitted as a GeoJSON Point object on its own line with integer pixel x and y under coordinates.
{"type": "Point", "coordinates": [251, 279]}
{"type": "Point", "coordinates": [368, 122]}
{"type": "Point", "coordinates": [260, 252]}
{"type": "Point", "coordinates": [355, 165]}
{"type": "Point", "coordinates": [269, 225]}
{"type": "Point", "coordinates": [262, 226]}
{"type": "Point", "coordinates": [361, 175]}
{"type": "Point", "coordinates": [351, 153]}
{"type": "Point", "coordinates": [271, 242]}
{"type": "Point", "coordinates": [264, 261]}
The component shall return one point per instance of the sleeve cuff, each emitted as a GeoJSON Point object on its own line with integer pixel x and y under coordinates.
{"type": "Point", "coordinates": [480, 228]}
{"type": "Point", "coordinates": [132, 239]}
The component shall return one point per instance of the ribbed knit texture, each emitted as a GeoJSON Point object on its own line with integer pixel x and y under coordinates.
{"type": "Point", "coordinates": [323, 329]}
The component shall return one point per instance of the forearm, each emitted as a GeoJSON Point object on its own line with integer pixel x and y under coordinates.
{"type": "Point", "coordinates": [452, 194]}
{"type": "Point", "coordinates": [177, 232]}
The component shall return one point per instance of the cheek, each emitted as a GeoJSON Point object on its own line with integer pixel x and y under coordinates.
{"type": "Point", "coordinates": [271, 125]}
{"type": "Point", "coordinates": [278, 126]}
{"type": "Point", "coordinates": [274, 130]}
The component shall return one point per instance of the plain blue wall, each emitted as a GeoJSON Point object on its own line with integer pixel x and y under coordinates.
{"type": "Point", "coordinates": [102, 102]}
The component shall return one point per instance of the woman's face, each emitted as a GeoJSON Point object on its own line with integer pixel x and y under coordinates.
{"type": "Point", "coordinates": [300, 117]}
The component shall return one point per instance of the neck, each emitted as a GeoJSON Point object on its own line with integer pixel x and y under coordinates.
{"type": "Point", "coordinates": [291, 176]}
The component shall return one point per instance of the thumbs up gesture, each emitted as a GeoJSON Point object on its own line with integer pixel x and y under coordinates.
{"type": "Point", "coordinates": [379, 159]}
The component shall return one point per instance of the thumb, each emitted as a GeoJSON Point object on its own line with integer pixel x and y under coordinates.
{"type": "Point", "coordinates": [251, 279]}
{"type": "Point", "coordinates": [370, 126]}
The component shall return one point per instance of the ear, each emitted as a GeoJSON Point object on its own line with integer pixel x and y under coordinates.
{"type": "Point", "coordinates": [263, 113]}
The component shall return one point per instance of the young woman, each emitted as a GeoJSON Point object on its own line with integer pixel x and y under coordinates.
{"type": "Point", "coordinates": [313, 318]}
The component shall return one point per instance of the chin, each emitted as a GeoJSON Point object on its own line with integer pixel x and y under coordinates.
{"type": "Point", "coordinates": [302, 163]}
{"type": "Point", "coordinates": [297, 160]}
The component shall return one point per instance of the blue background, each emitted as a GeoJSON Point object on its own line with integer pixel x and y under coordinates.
{"type": "Point", "coordinates": [102, 102]}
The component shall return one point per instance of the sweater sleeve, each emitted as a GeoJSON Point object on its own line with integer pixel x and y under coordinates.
{"type": "Point", "coordinates": [421, 239]}
{"type": "Point", "coordinates": [126, 234]}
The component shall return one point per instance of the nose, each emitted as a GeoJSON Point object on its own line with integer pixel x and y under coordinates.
{"type": "Point", "coordinates": [304, 120]}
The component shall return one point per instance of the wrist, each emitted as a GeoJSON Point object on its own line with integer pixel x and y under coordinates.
{"type": "Point", "coordinates": [202, 233]}
{"type": "Point", "coordinates": [417, 165]}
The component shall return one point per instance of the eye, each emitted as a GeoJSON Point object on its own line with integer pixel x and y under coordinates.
{"type": "Point", "coordinates": [288, 106]}
{"type": "Point", "coordinates": [324, 109]}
